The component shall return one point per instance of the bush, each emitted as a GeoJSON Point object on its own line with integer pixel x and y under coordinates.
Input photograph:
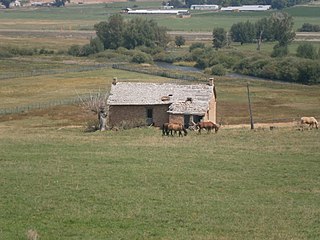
{"type": "Point", "coordinates": [74, 50]}
{"type": "Point", "coordinates": [218, 70]}
{"type": "Point", "coordinates": [114, 55]}
{"type": "Point", "coordinates": [97, 45]}
{"type": "Point", "coordinates": [196, 45]}
{"type": "Point", "coordinates": [141, 57]}
{"type": "Point", "coordinates": [197, 53]}
{"type": "Point", "coordinates": [280, 51]}
{"type": "Point", "coordinates": [150, 50]}
{"type": "Point", "coordinates": [21, 51]}
{"type": "Point", "coordinates": [309, 72]}
{"type": "Point", "coordinates": [307, 50]}
{"type": "Point", "coordinates": [307, 27]}
{"type": "Point", "coordinates": [165, 57]}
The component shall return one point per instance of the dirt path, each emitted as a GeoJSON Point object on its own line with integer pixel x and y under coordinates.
{"type": "Point", "coordinates": [262, 125]}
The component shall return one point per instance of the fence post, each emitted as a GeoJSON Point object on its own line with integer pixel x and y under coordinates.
{"type": "Point", "coordinates": [250, 110]}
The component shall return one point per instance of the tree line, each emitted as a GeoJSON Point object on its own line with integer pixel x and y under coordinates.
{"type": "Point", "coordinates": [278, 27]}
{"type": "Point", "coordinates": [142, 40]}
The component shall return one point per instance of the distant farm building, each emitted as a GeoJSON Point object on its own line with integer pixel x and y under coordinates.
{"type": "Point", "coordinates": [157, 11]}
{"type": "Point", "coordinates": [247, 8]}
{"type": "Point", "coordinates": [156, 103]}
{"type": "Point", "coordinates": [204, 7]}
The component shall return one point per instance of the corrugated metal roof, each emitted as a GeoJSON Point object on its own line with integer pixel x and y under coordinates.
{"type": "Point", "coordinates": [181, 98]}
{"type": "Point", "coordinates": [247, 8]}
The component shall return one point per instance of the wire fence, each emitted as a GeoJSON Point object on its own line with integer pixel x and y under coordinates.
{"type": "Point", "coordinates": [41, 72]}
{"type": "Point", "coordinates": [39, 106]}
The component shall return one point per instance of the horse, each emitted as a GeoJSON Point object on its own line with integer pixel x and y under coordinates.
{"type": "Point", "coordinates": [208, 126]}
{"type": "Point", "coordinates": [176, 127]}
{"type": "Point", "coordinates": [309, 120]}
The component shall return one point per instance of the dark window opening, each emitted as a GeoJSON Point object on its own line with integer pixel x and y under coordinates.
{"type": "Point", "coordinates": [149, 116]}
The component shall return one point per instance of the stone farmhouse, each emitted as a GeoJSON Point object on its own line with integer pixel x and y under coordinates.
{"type": "Point", "coordinates": [158, 103]}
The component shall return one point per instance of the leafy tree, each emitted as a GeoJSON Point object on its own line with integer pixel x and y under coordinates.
{"type": "Point", "coordinates": [243, 32]}
{"type": "Point", "coordinates": [279, 4]}
{"type": "Point", "coordinates": [194, 2]}
{"type": "Point", "coordinates": [111, 32]}
{"type": "Point", "coordinates": [6, 3]}
{"type": "Point", "coordinates": [176, 3]}
{"type": "Point", "coordinates": [263, 31]}
{"type": "Point", "coordinates": [179, 41]}
{"type": "Point", "coordinates": [282, 25]}
{"type": "Point", "coordinates": [139, 32]}
{"type": "Point", "coordinates": [219, 38]}
{"type": "Point", "coordinates": [307, 50]}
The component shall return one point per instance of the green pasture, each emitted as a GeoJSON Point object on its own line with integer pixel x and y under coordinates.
{"type": "Point", "coordinates": [272, 101]}
{"type": "Point", "coordinates": [135, 184]}
{"type": "Point", "coordinates": [83, 17]}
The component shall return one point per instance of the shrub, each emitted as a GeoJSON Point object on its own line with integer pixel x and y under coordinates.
{"type": "Point", "coordinates": [97, 45]}
{"type": "Point", "coordinates": [307, 50]}
{"type": "Point", "coordinates": [197, 53]}
{"type": "Point", "coordinates": [309, 72]}
{"type": "Point", "coordinates": [74, 50]}
{"type": "Point", "coordinates": [218, 70]}
{"type": "Point", "coordinates": [150, 50]}
{"type": "Point", "coordinates": [141, 57]}
{"type": "Point", "coordinates": [307, 27]}
{"type": "Point", "coordinates": [280, 51]}
{"type": "Point", "coordinates": [196, 45]}
{"type": "Point", "coordinates": [167, 57]}
{"type": "Point", "coordinates": [86, 50]}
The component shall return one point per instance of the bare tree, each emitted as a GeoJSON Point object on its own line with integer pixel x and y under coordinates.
{"type": "Point", "coordinates": [97, 103]}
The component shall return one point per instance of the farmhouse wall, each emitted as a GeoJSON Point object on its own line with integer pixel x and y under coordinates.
{"type": "Point", "coordinates": [176, 118]}
{"type": "Point", "coordinates": [211, 115]}
{"type": "Point", "coordinates": [119, 113]}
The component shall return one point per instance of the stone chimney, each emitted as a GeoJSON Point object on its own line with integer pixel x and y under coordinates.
{"type": "Point", "coordinates": [114, 81]}
{"type": "Point", "coordinates": [211, 81]}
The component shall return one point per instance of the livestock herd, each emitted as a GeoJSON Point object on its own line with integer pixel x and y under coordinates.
{"type": "Point", "coordinates": [171, 129]}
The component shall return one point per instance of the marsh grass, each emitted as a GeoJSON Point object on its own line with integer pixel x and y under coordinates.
{"type": "Point", "coordinates": [136, 184]}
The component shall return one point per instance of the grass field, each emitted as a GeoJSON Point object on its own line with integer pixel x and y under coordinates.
{"type": "Point", "coordinates": [272, 101]}
{"type": "Point", "coordinates": [136, 184]}
{"type": "Point", "coordinates": [67, 183]}
{"type": "Point", "coordinates": [83, 17]}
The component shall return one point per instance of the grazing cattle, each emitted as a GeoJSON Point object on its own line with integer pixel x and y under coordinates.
{"type": "Point", "coordinates": [208, 126]}
{"type": "Point", "coordinates": [176, 127]}
{"type": "Point", "coordinates": [311, 121]}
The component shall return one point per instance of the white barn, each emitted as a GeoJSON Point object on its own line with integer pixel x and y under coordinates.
{"type": "Point", "coordinates": [247, 8]}
{"type": "Point", "coordinates": [204, 7]}
{"type": "Point", "coordinates": [158, 11]}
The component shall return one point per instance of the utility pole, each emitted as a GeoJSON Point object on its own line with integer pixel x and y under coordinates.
{"type": "Point", "coordinates": [250, 111]}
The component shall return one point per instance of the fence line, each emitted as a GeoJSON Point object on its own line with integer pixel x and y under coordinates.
{"type": "Point", "coordinates": [36, 106]}
{"type": "Point", "coordinates": [52, 71]}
